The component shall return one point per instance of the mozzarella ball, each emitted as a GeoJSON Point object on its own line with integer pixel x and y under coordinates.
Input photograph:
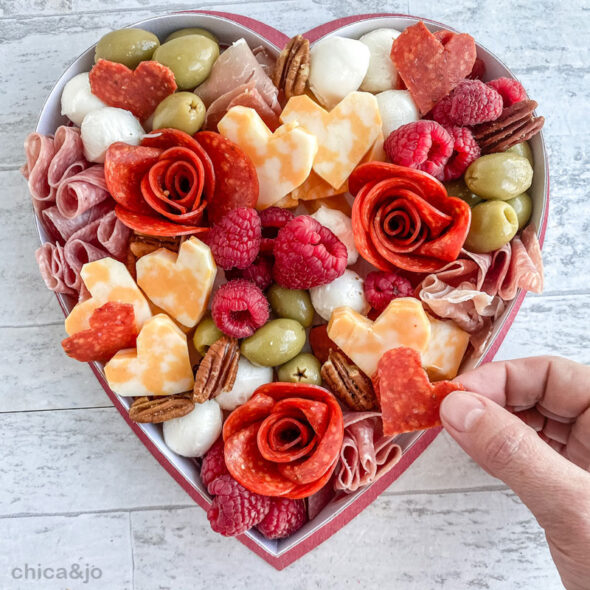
{"type": "Point", "coordinates": [105, 126]}
{"type": "Point", "coordinates": [248, 379]}
{"type": "Point", "coordinates": [382, 73]}
{"type": "Point", "coordinates": [337, 68]}
{"type": "Point", "coordinates": [194, 434]}
{"type": "Point", "coordinates": [77, 100]}
{"type": "Point", "coordinates": [346, 290]}
{"type": "Point", "coordinates": [396, 108]}
{"type": "Point", "coordinates": [341, 226]}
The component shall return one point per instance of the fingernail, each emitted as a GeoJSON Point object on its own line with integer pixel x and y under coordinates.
{"type": "Point", "coordinates": [461, 410]}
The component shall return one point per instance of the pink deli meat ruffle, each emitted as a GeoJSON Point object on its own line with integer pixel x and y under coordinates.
{"type": "Point", "coordinates": [51, 160]}
{"type": "Point", "coordinates": [235, 66]}
{"type": "Point", "coordinates": [77, 194]}
{"type": "Point", "coordinates": [473, 290]}
{"type": "Point", "coordinates": [366, 454]}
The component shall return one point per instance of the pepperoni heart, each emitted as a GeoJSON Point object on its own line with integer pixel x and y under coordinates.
{"type": "Point", "coordinates": [139, 91]}
{"type": "Point", "coordinates": [408, 400]}
{"type": "Point", "coordinates": [431, 65]}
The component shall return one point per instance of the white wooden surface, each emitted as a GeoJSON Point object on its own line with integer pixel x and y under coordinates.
{"type": "Point", "coordinates": [77, 487]}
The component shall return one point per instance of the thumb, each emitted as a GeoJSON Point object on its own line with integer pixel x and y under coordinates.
{"type": "Point", "coordinates": [512, 451]}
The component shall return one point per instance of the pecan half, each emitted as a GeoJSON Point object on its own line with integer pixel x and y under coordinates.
{"type": "Point", "coordinates": [515, 125]}
{"type": "Point", "coordinates": [217, 370]}
{"type": "Point", "coordinates": [350, 385]}
{"type": "Point", "coordinates": [292, 68]}
{"type": "Point", "coordinates": [140, 245]}
{"type": "Point", "coordinates": [160, 409]}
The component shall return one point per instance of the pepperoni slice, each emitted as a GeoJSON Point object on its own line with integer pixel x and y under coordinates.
{"type": "Point", "coordinates": [236, 179]}
{"type": "Point", "coordinates": [431, 65]}
{"type": "Point", "coordinates": [408, 400]}
{"type": "Point", "coordinates": [285, 441]}
{"type": "Point", "coordinates": [112, 328]}
{"type": "Point", "coordinates": [139, 91]}
{"type": "Point", "coordinates": [154, 226]}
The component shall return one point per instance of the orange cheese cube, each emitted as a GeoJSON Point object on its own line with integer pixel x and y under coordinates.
{"type": "Point", "coordinates": [107, 280]}
{"type": "Point", "coordinates": [180, 284]}
{"type": "Point", "coordinates": [445, 350]}
{"type": "Point", "coordinates": [402, 323]}
{"type": "Point", "coordinates": [160, 364]}
{"type": "Point", "coordinates": [283, 159]}
{"type": "Point", "coordinates": [345, 134]}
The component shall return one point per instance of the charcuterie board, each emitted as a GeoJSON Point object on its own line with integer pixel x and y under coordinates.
{"type": "Point", "coordinates": [221, 168]}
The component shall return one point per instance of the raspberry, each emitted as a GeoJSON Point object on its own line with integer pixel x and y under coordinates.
{"type": "Point", "coordinates": [465, 151]}
{"type": "Point", "coordinates": [259, 272]}
{"type": "Point", "coordinates": [441, 112]}
{"type": "Point", "coordinates": [424, 145]}
{"type": "Point", "coordinates": [382, 287]}
{"type": "Point", "coordinates": [239, 308]}
{"type": "Point", "coordinates": [235, 509]}
{"type": "Point", "coordinates": [510, 90]}
{"type": "Point", "coordinates": [272, 219]}
{"type": "Point", "coordinates": [284, 518]}
{"type": "Point", "coordinates": [473, 102]}
{"type": "Point", "coordinates": [478, 70]}
{"type": "Point", "coordinates": [307, 254]}
{"type": "Point", "coordinates": [235, 239]}
{"type": "Point", "coordinates": [213, 465]}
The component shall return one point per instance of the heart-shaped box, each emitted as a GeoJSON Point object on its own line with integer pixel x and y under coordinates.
{"type": "Point", "coordinates": [228, 28]}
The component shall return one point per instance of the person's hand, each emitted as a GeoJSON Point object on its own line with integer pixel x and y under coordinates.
{"type": "Point", "coordinates": [540, 447]}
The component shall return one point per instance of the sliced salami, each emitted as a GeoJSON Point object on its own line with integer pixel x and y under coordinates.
{"type": "Point", "coordinates": [113, 235]}
{"type": "Point", "coordinates": [69, 155]}
{"type": "Point", "coordinates": [52, 266]}
{"type": "Point", "coordinates": [77, 253]}
{"type": "Point", "coordinates": [112, 328]}
{"type": "Point", "coordinates": [236, 179]}
{"type": "Point", "coordinates": [39, 151]}
{"type": "Point", "coordinates": [78, 193]}
{"type": "Point", "coordinates": [62, 228]}
{"type": "Point", "coordinates": [366, 454]}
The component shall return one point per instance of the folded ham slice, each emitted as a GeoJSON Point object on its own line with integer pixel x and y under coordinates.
{"type": "Point", "coordinates": [235, 66]}
{"type": "Point", "coordinates": [51, 160]}
{"type": "Point", "coordinates": [80, 192]}
{"type": "Point", "coordinates": [245, 95]}
{"type": "Point", "coordinates": [473, 290]}
{"type": "Point", "coordinates": [366, 454]}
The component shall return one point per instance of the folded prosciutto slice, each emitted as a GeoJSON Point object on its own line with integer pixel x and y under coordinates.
{"type": "Point", "coordinates": [473, 290]}
{"type": "Point", "coordinates": [366, 454]}
{"type": "Point", "coordinates": [235, 66]}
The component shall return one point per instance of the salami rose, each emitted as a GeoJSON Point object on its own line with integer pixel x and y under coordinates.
{"type": "Point", "coordinates": [161, 186]}
{"type": "Point", "coordinates": [403, 218]}
{"type": "Point", "coordinates": [285, 440]}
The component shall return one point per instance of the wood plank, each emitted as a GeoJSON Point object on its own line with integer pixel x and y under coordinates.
{"type": "Point", "coordinates": [85, 545]}
{"type": "Point", "coordinates": [466, 540]}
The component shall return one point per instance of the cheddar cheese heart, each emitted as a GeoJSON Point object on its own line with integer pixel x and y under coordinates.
{"type": "Point", "coordinates": [402, 323]}
{"type": "Point", "coordinates": [179, 284]}
{"type": "Point", "coordinates": [283, 159]}
{"type": "Point", "coordinates": [160, 364]}
{"type": "Point", "coordinates": [345, 134]}
{"type": "Point", "coordinates": [107, 280]}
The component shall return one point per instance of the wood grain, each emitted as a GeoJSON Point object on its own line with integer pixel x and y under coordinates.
{"type": "Point", "coordinates": [77, 484]}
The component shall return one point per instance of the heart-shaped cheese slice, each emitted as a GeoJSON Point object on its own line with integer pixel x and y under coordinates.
{"type": "Point", "coordinates": [345, 134]}
{"type": "Point", "coordinates": [402, 323]}
{"type": "Point", "coordinates": [107, 280]}
{"type": "Point", "coordinates": [179, 284]}
{"type": "Point", "coordinates": [160, 364]}
{"type": "Point", "coordinates": [283, 159]}
{"type": "Point", "coordinates": [445, 350]}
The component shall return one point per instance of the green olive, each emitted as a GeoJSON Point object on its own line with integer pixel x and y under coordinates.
{"type": "Point", "coordinates": [181, 110]}
{"type": "Point", "coordinates": [291, 303]}
{"type": "Point", "coordinates": [493, 224]}
{"type": "Point", "coordinates": [206, 334]}
{"type": "Point", "coordinates": [190, 58]}
{"type": "Point", "coordinates": [127, 46]}
{"type": "Point", "coordinates": [458, 188]}
{"type": "Point", "coordinates": [499, 176]}
{"type": "Point", "coordinates": [523, 205]}
{"type": "Point", "coordinates": [192, 31]}
{"type": "Point", "coordinates": [304, 368]}
{"type": "Point", "coordinates": [523, 149]}
{"type": "Point", "coordinates": [276, 343]}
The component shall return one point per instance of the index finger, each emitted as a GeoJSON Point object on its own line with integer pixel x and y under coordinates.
{"type": "Point", "coordinates": [559, 386]}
